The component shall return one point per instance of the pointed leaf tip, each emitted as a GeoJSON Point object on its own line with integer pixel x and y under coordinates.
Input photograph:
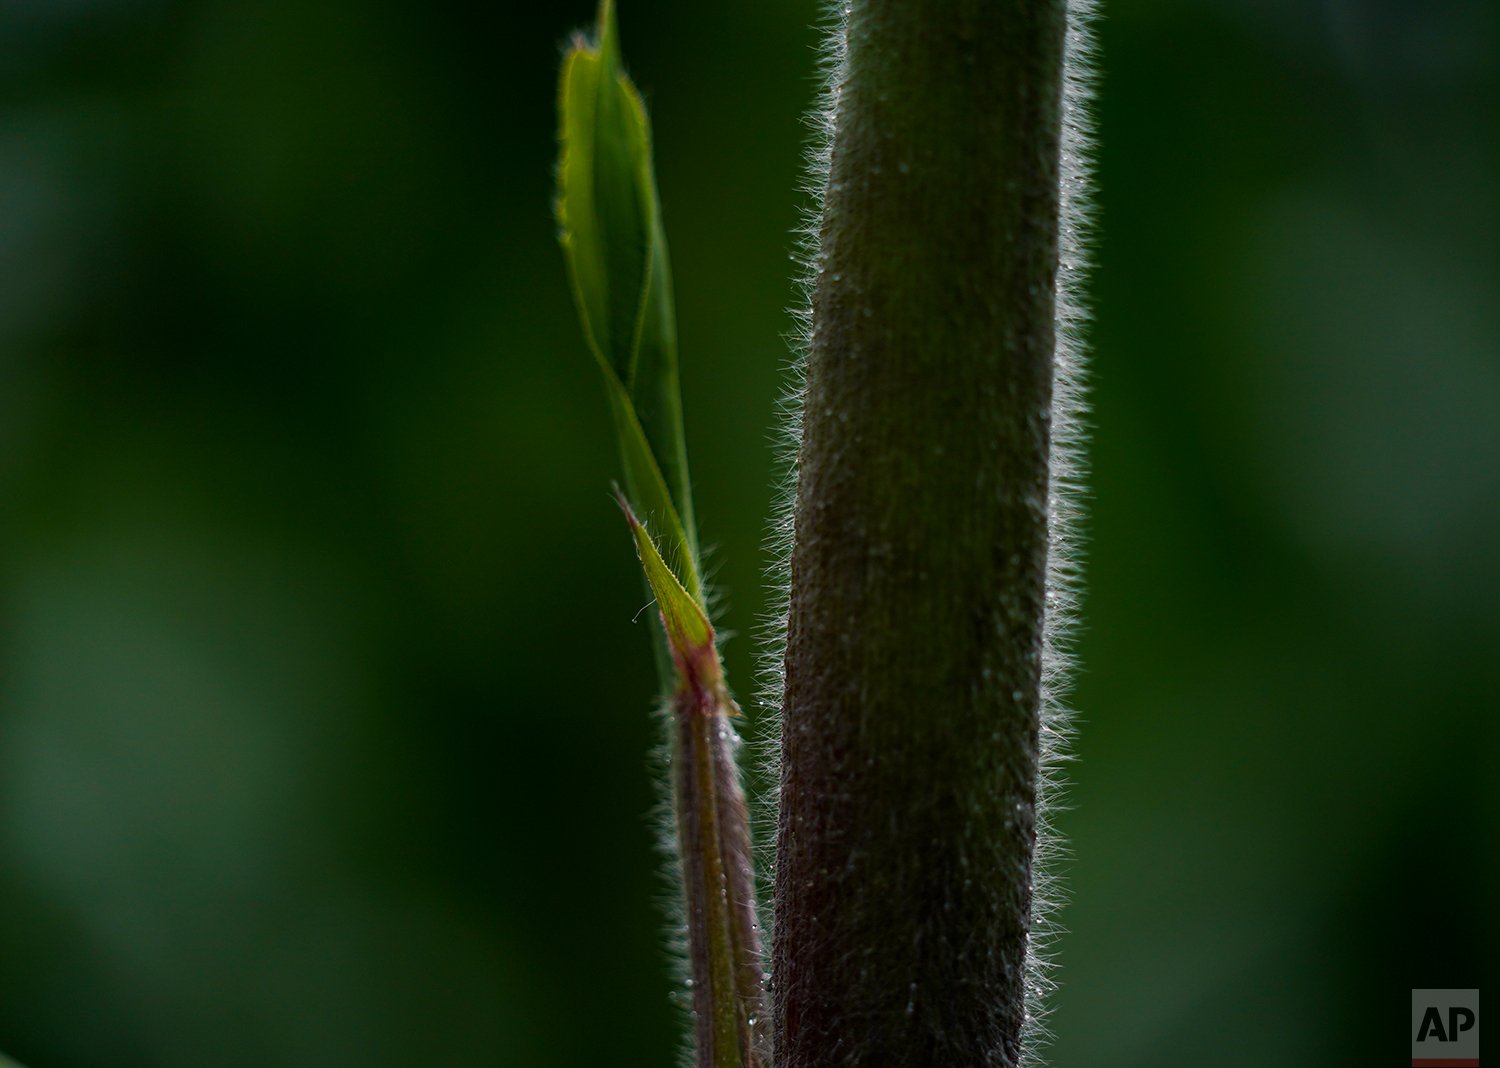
{"type": "Point", "coordinates": [688, 631]}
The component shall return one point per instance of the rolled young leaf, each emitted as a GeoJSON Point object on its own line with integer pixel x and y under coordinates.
{"type": "Point", "coordinates": [612, 236]}
{"type": "Point", "coordinates": [617, 257]}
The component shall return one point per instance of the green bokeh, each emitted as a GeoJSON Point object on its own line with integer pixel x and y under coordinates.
{"type": "Point", "coordinates": [323, 695]}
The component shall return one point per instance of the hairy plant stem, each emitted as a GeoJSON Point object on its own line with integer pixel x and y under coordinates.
{"type": "Point", "coordinates": [910, 720]}
{"type": "Point", "coordinates": [724, 941]}
{"type": "Point", "coordinates": [718, 875]}
{"type": "Point", "coordinates": [713, 832]}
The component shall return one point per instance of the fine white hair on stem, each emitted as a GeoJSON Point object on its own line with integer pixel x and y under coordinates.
{"type": "Point", "coordinates": [671, 897]}
{"type": "Point", "coordinates": [670, 902]}
{"type": "Point", "coordinates": [1067, 473]}
{"type": "Point", "coordinates": [787, 440]}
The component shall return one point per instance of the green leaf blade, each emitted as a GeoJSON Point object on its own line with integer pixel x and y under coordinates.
{"type": "Point", "coordinates": [647, 488]}
{"type": "Point", "coordinates": [605, 223]}
{"type": "Point", "coordinates": [657, 393]}
{"type": "Point", "coordinates": [611, 233]}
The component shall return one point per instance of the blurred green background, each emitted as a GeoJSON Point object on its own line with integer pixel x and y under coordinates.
{"type": "Point", "coordinates": [323, 699]}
